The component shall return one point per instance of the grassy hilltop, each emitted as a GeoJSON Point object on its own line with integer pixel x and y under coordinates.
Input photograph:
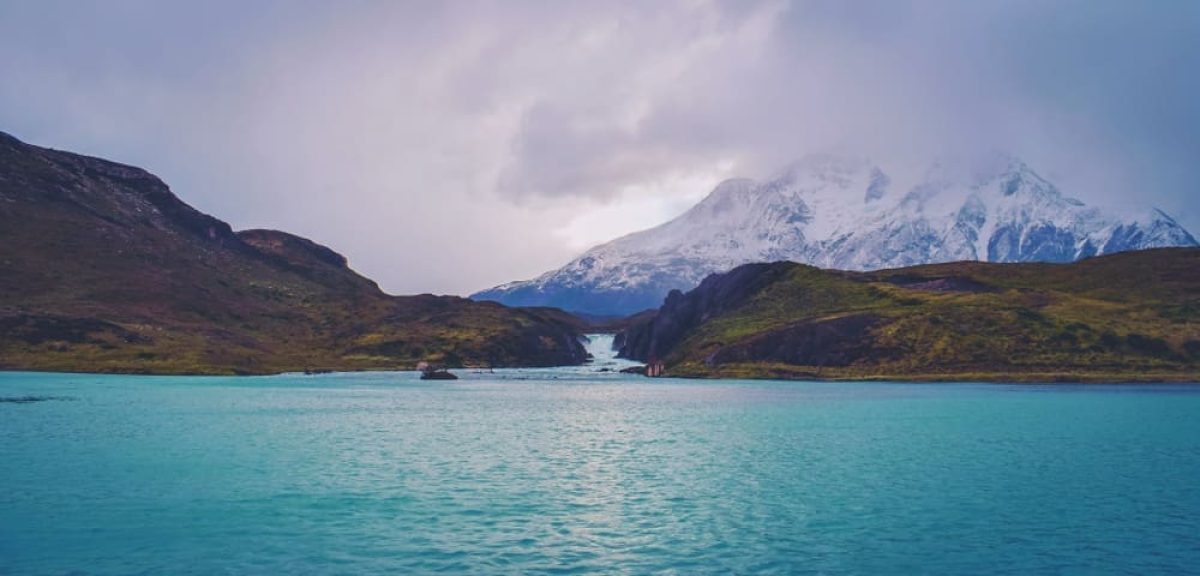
{"type": "Point", "coordinates": [103, 269]}
{"type": "Point", "coordinates": [1125, 317]}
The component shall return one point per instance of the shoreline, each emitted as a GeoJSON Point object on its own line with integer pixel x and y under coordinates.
{"type": "Point", "coordinates": [974, 378]}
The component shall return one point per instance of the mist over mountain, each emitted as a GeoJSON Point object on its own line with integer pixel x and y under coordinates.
{"type": "Point", "coordinates": [847, 213]}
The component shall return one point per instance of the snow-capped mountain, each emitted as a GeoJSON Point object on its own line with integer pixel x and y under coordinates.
{"type": "Point", "coordinates": [847, 214]}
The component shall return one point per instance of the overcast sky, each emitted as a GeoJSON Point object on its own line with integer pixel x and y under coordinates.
{"type": "Point", "coordinates": [449, 146]}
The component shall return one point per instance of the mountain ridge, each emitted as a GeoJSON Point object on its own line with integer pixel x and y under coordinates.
{"type": "Point", "coordinates": [104, 269]}
{"type": "Point", "coordinates": [845, 213]}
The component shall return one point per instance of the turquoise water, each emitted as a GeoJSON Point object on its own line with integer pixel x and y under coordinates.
{"type": "Point", "coordinates": [573, 472]}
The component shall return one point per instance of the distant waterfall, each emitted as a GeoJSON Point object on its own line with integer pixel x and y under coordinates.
{"type": "Point", "coordinates": [600, 346]}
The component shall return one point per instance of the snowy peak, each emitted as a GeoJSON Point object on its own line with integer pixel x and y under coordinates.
{"type": "Point", "coordinates": [1152, 228]}
{"type": "Point", "coordinates": [846, 213]}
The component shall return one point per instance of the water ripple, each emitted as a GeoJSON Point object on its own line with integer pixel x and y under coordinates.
{"type": "Point", "coordinates": [371, 474]}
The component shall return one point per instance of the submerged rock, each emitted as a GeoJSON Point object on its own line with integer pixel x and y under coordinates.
{"type": "Point", "coordinates": [30, 399]}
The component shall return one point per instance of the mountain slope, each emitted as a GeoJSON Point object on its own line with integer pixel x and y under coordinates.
{"type": "Point", "coordinates": [102, 268]}
{"type": "Point", "coordinates": [1125, 317]}
{"type": "Point", "coordinates": [845, 214]}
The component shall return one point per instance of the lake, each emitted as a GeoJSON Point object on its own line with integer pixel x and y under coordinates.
{"type": "Point", "coordinates": [574, 471]}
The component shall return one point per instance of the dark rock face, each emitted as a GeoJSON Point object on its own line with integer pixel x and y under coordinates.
{"type": "Point", "coordinates": [306, 257]}
{"type": "Point", "coordinates": [1046, 243]}
{"type": "Point", "coordinates": [682, 313]}
{"type": "Point", "coordinates": [116, 193]}
{"type": "Point", "coordinates": [292, 248]}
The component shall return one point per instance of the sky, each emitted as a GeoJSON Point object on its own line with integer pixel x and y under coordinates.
{"type": "Point", "coordinates": [447, 147]}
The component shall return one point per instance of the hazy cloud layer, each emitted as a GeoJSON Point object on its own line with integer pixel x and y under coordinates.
{"type": "Point", "coordinates": [449, 146]}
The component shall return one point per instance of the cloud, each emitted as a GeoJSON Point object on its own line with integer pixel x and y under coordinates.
{"type": "Point", "coordinates": [449, 146]}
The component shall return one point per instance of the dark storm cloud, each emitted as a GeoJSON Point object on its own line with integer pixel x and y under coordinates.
{"type": "Point", "coordinates": [1076, 86]}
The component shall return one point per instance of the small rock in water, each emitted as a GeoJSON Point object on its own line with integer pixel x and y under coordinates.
{"type": "Point", "coordinates": [431, 372]}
